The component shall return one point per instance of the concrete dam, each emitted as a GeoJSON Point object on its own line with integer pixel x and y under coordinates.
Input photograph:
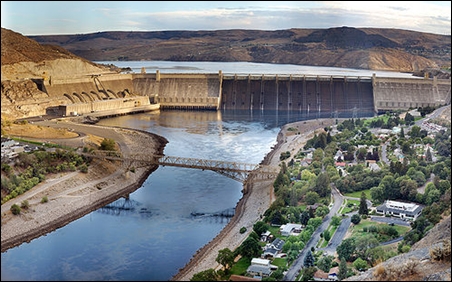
{"type": "Point", "coordinates": [306, 94]}
{"type": "Point", "coordinates": [302, 93]}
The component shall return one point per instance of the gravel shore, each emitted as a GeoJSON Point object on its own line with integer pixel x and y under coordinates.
{"type": "Point", "coordinates": [254, 203]}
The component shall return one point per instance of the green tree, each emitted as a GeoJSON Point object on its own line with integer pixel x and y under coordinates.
{"type": "Point", "coordinates": [108, 144]}
{"type": "Point", "coordinates": [225, 258]}
{"type": "Point", "coordinates": [336, 220]}
{"type": "Point", "coordinates": [326, 235]}
{"type": "Point", "coordinates": [377, 194]}
{"type": "Point", "coordinates": [342, 269]}
{"type": "Point", "coordinates": [308, 273]}
{"type": "Point", "coordinates": [206, 275]}
{"type": "Point", "coordinates": [322, 185]}
{"type": "Point", "coordinates": [364, 243]}
{"type": "Point", "coordinates": [324, 263]}
{"type": "Point", "coordinates": [363, 209]}
{"type": "Point", "coordinates": [304, 217]}
{"type": "Point", "coordinates": [409, 119]}
{"type": "Point", "coordinates": [360, 264]}
{"type": "Point", "coordinates": [309, 259]}
{"type": "Point", "coordinates": [311, 198]}
{"type": "Point", "coordinates": [250, 248]}
{"type": "Point", "coordinates": [428, 155]}
{"type": "Point", "coordinates": [356, 219]}
{"type": "Point", "coordinates": [346, 249]}
{"type": "Point", "coordinates": [260, 227]}
{"type": "Point", "coordinates": [25, 205]}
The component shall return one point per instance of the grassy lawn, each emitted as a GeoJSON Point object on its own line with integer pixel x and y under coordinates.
{"type": "Point", "coordinates": [382, 117]}
{"type": "Point", "coordinates": [279, 262]}
{"type": "Point", "coordinates": [357, 194]}
{"type": "Point", "coordinates": [354, 205]}
{"type": "Point", "coordinates": [240, 267]}
{"type": "Point", "coordinates": [357, 230]}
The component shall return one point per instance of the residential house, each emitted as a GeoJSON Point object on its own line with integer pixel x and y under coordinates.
{"type": "Point", "coordinates": [260, 268]}
{"type": "Point", "coordinates": [288, 229]}
{"type": "Point", "coordinates": [332, 274]}
{"type": "Point", "coordinates": [339, 155]}
{"type": "Point", "coordinates": [265, 236]}
{"type": "Point", "coordinates": [273, 248]}
{"type": "Point", "coordinates": [403, 210]}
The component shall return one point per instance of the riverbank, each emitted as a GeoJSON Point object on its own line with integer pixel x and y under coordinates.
{"type": "Point", "coordinates": [75, 194]}
{"type": "Point", "coordinates": [255, 202]}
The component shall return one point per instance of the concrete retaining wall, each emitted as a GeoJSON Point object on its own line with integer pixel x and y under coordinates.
{"type": "Point", "coordinates": [402, 93]}
{"type": "Point", "coordinates": [106, 105]}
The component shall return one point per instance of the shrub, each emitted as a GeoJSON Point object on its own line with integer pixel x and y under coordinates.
{"type": "Point", "coordinates": [395, 272]}
{"type": "Point", "coordinates": [242, 230]}
{"type": "Point", "coordinates": [83, 168]}
{"type": "Point", "coordinates": [25, 204]}
{"type": "Point", "coordinates": [44, 199]}
{"type": "Point", "coordinates": [15, 209]}
{"type": "Point", "coordinates": [441, 252]}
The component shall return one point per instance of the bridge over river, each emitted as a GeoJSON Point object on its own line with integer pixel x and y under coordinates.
{"type": "Point", "coordinates": [235, 170]}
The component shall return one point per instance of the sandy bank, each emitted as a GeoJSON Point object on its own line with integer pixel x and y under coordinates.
{"type": "Point", "coordinates": [73, 195]}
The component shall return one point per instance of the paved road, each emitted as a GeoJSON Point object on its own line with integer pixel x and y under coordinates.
{"type": "Point", "coordinates": [298, 263]}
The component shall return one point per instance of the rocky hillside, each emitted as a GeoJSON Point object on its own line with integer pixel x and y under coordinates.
{"type": "Point", "coordinates": [428, 260]}
{"type": "Point", "coordinates": [24, 58]}
{"type": "Point", "coordinates": [24, 62]}
{"type": "Point", "coordinates": [363, 48]}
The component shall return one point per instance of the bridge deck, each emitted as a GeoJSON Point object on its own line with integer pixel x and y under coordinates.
{"type": "Point", "coordinates": [236, 170]}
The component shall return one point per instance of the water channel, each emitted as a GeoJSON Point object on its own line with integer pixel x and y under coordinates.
{"type": "Point", "coordinates": [153, 234]}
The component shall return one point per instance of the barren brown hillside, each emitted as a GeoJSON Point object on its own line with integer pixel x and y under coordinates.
{"type": "Point", "coordinates": [377, 49]}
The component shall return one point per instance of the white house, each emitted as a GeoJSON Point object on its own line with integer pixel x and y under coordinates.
{"type": "Point", "coordinates": [288, 229]}
{"type": "Point", "coordinates": [260, 267]}
{"type": "Point", "coordinates": [400, 209]}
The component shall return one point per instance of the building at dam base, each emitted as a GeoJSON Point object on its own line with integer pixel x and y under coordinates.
{"type": "Point", "coordinates": [307, 94]}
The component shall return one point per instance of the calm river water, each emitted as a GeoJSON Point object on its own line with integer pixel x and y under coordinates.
{"type": "Point", "coordinates": [152, 235]}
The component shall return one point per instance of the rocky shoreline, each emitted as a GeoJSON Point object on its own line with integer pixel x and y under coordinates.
{"type": "Point", "coordinates": [254, 203]}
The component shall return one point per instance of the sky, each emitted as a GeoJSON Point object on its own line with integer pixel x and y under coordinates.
{"type": "Point", "coordinates": [83, 17]}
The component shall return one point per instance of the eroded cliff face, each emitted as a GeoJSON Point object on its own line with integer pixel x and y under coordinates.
{"type": "Point", "coordinates": [57, 68]}
{"type": "Point", "coordinates": [27, 67]}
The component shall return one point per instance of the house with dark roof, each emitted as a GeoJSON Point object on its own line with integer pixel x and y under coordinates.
{"type": "Point", "coordinates": [273, 248]}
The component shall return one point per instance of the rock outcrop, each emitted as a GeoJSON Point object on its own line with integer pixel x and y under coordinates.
{"type": "Point", "coordinates": [420, 263]}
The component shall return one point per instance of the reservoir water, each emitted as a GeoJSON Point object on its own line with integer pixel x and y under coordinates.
{"type": "Point", "coordinates": [156, 234]}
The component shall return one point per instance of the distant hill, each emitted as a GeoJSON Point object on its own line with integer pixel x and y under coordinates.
{"type": "Point", "coordinates": [23, 57]}
{"type": "Point", "coordinates": [362, 48]}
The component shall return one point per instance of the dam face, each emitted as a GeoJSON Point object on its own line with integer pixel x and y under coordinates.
{"type": "Point", "coordinates": [303, 94]}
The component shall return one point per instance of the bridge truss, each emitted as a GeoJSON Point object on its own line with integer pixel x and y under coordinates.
{"type": "Point", "coordinates": [235, 170]}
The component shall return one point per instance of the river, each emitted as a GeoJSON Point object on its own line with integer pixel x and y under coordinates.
{"type": "Point", "coordinates": [153, 233]}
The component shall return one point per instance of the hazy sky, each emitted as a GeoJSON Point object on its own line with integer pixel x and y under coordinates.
{"type": "Point", "coordinates": [80, 17]}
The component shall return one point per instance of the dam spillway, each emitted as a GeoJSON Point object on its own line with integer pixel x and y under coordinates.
{"type": "Point", "coordinates": [306, 94]}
